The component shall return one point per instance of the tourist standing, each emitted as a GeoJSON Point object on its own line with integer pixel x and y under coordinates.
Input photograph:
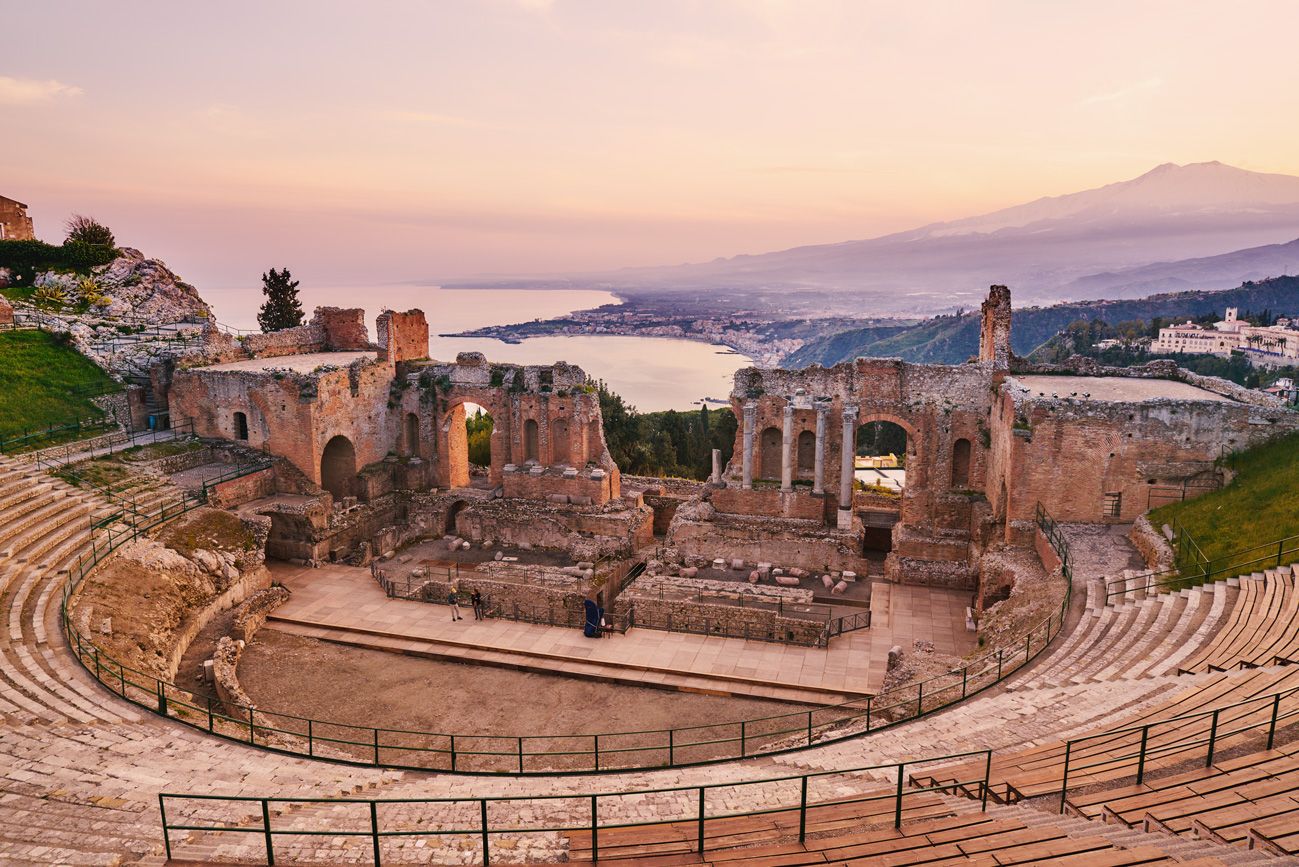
{"type": "Point", "coordinates": [477, 599]}
{"type": "Point", "coordinates": [453, 599]}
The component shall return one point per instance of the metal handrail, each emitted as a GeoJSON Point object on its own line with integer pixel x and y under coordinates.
{"type": "Point", "coordinates": [770, 735]}
{"type": "Point", "coordinates": [1227, 566]}
{"type": "Point", "coordinates": [1145, 751]}
{"type": "Point", "coordinates": [483, 830]}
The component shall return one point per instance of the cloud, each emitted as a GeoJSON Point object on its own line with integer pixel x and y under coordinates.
{"type": "Point", "coordinates": [27, 91]}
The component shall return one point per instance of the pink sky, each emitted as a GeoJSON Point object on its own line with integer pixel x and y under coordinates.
{"type": "Point", "coordinates": [369, 143]}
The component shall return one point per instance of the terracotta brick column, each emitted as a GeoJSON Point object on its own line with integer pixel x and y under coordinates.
{"type": "Point", "coordinates": [848, 451]}
{"type": "Point", "coordinates": [818, 475]}
{"type": "Point", "coordinates": [786, 448]}
{"type": "Point", "coordinates": [750, 413]}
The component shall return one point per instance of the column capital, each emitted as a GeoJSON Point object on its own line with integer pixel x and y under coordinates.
{"type": "Point", "coordinates": [750, 407]}
{"type": "Point", "coordinates": [850, 411]}
{"type": "Point", "coordinates": [789, 409]}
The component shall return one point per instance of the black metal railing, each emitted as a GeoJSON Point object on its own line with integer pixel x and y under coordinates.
{"type": "Point", "coordinates": [850, 623]}
{"type": "Point", "coordinates": [1195, 568]}
{"type": "Point", "coordinates": [1129, 751]}
{"type": "Point", "coordinates": [793, 795]}
{"type": "Point", "coordinates": [551, 753]}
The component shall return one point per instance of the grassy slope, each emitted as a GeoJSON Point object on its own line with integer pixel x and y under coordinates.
{"type": "Point", "coordinates": [36, 376]}
{"type": "Point", "coordinates": [1260, 506]}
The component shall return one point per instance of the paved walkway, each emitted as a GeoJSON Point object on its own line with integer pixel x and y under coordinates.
{"type": "Point", "coordinates": [343, 603]}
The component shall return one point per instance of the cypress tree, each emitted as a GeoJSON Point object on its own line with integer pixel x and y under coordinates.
{"type": "Point", "coordinates": [281, 309]}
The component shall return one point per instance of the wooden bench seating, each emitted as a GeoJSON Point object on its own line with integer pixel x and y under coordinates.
{"type": "Point", "coordinates": [966, 838]}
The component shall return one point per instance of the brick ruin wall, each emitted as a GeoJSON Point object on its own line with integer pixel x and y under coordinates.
{"type": "Point", "coordinates": [402, 336]}
{"type": "Point", "coordinates": [15, 222]}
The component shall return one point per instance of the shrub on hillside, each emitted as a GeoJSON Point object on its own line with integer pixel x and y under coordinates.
{"type": "Point", "coordinates": [27, 257]}
{"type": "Point", "coordinates": [88, 230]}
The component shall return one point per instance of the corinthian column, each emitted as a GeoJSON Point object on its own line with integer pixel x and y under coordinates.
{"type": "Point", "coordinates": [750, 413]}
{"type": "Point", "coordinates": [848, 453]}
{"type": "Point", "coordinates": [818, 473]}
{"type": "Point", "coordinates": [786, 442]}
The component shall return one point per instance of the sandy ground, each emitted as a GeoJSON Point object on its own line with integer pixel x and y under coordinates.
{"type": "Point", "coordinates": [367, 687]}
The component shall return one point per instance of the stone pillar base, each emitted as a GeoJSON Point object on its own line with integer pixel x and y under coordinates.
{"type": "Point", "coordinates": [845, 519]}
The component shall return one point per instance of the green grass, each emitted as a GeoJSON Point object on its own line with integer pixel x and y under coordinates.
{"type": "Point", "coordinates": [1237, 528]}
{"type": "Point", "coordinates": [37, 377]}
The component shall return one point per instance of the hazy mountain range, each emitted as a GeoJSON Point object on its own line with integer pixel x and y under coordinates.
{"type": "Point", "coordinates": [1203, 226]}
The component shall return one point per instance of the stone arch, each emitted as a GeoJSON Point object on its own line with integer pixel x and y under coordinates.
{"type": "Point", "coordinates": [961, 463]}
{"type": "Point", "coordinates": [531, 441]}
{"type": "Point", "coordinates": [338, 467]}
{"type": "Point", "coordinates": [410, 435]}
{"type": "Point", "coordinates": [453, 512]}
{"type": "Point", "coordinates": [806, 451]}
{"type": "Point", "coordinates": [561, 447]}
{"type": "Point", "coordinates": [770, 442]}
{"type": "Point", "coordinates": [241, 426]}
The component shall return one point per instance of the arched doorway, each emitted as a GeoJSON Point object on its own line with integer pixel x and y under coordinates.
{"type": "Point", "coordinates": [531, 441]}
{"type": "Point", "coordinates": [961, 463]}
{"type": "Point", "coordinates": [478, 428]}
{"type": "Point", "coordinates": [769, 445]}
{"type": "Point", "coordinates": [560, 447]}
{"type": "Point", "coordinates": [806, 452]}
{"type": "Point", "coordinates": [338, 467]}
{"type": "Point", "coordinates": [453, 512]}
{"type": "Point", "coordinates": [410, 435]}
{"type": "Point", "coordinates": [882, 448]}
{"type": "Point", "coordinates": [241, 426]}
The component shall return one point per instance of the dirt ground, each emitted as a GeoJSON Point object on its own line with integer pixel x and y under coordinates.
{"type": "Point", "coordinates": [308, 677]}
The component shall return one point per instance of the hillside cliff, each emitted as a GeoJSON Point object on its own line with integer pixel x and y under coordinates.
{"type": "Point", "coordinates": [955, 339]}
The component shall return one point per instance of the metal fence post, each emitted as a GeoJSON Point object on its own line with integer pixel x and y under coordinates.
{"type": "Point", "coordinates": [743, 736]}
{"type": "Point", "coordinates": [869, 700]}
{"type": "Point", "coordinates": [482, 803]}
{"type": "Point", "coordinates": [965, 674]}
{"type": "Point", "coordinates": [266, 830]}
{"type": "Point", "coordinates": [897, 810]}
{"type": "Point", "coordinates": [166, 837]}
{"type": "Point", "coordinates": [374, 831]}
{"type": "Point", "coordinates": [520, 754]}
{"type": "Point", "coordinates": [1141, 757]}
{"type": "Point", "coordinates": [1213, 738]}
{"type": "Point", "coordinates": [595, 833]}
{"type": "Point", "coordinates": [210, 723]}
{"type": "Point", "coordinates": [376, 746]}
{"type": "Point", "coordinates": [701, 820]}
{"type": "Point", "coordinates": [1271, 729]}
{"type": "Point", "coordinates": [311, 738]}
{"type": "Point", "coordinates": [672, 737]}
{"type": "Point", "coordinates": [251, 728]}
{"type": "Point", "coordinates": [809, 728]}
{"type": "Point", "coordinates": [162, 698]}
{"type": "Point", "coordinates": [1064, 781]}
{"type": "Point", "coordinates": [920, 699]}
{"type": "Point", "coordinates": [802, 812]}
{"type": "Point", "coordinates": [453, 752]}
{"type": "Point", "coordinates": [987, 780]}
{"type": "Point", "coordinates": [597, 752]}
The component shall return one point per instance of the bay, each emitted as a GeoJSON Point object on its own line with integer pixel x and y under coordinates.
{"type": "Point", "coordinates": [651, 373]}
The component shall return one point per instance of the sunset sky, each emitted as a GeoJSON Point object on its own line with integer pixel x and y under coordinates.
{"type": "Point", "coordinates": [375, 142]}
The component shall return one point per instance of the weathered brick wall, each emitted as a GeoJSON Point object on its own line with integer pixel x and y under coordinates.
{"type": "Point", "coordinates": [687, 615]}
{"type": "Point", "coordinates": [236, 492]}
{"type": "Point", "coordinates": [344, 327]}
{"type": "Point", "coordinates": [768, 503]}
{"type": "Point", "coordinates": [403, 336]}
{"type": "Point", "coordinates": [15, 224]}
{"type": "Point", "coordinates": [810, 545]}
{"type": "Point", "coordinates": [1090, 460]}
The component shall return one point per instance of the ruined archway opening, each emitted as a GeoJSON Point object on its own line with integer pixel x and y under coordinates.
{"type": "Point", "coordinates": [531, 441]}
{"type": "Point", "coordinates": [338, 467]}
{"type": "Point", "coordinates": [769, 458]}
{"type": "Point", "coordinates": [410, 435]}
{"type": "Point", "coordinates": [241, 426]}
{"type": "Point", "coordinates": [961, 463]}
{"type": "Point", "coordinates": [881, 462]}
{"type": "Point", "coordinates": [479, 425]}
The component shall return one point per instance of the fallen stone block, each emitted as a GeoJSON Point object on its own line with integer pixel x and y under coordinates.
{"type": "Point", "coordinates": [827, 581]}
{"type": "Point", "coordinates": [719, 563]}
{"type": "Point", "coordinates": [787, 580]}
{"type": "Point", "coordinates": [754, 576]}
{"type": "Point", "coordinates": [839, 588]}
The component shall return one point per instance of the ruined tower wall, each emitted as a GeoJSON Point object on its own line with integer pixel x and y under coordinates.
{"type": "Point", "coordinates": [402, 336]}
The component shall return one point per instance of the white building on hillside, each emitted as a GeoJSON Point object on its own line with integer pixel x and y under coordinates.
{"type": "Point", "coordinates": [1264, 345]}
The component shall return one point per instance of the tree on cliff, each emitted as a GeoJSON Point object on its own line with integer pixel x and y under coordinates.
{"type": "Point", "coordinates": [281, 309]}
{"type": "Point", "coordinates": [88, 230]}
